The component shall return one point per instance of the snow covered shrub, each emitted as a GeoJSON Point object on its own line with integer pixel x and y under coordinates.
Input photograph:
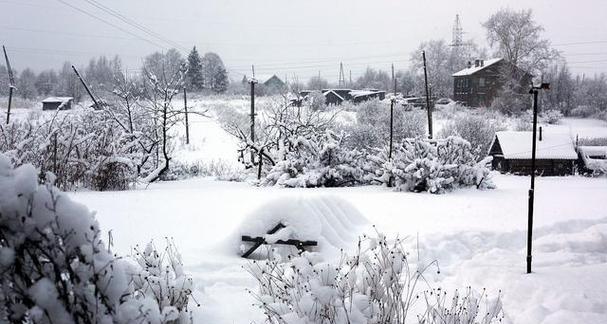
{"type": "Point", "coordinates": [54, 267]}
{"type": "Point", "coordinates": [421, 165]}
{"type": "Point", "coordinates": [583, 111]}
{"type": "Point", "coordinates": [78, 147]}
{"type": "Point", "coordinates": [510, 102]}
{"type": "Point", "coordinates": [161, 276]}
{"type": "Point", "coordinates": [470, 307]}
{"type": "Point", "coordinates": [316, 101]}
{"type": "Point", "coordinates": [478, 130]}
{"type": "Point", "coordinates": [318, 161]}
{"type": "Point", "coordinates": [552, 116]}
{"type": "Point", "coordinates": [378, 284]}
{"type": "Point", "coordinates": [372, 129]}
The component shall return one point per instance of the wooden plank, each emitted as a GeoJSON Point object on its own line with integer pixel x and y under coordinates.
{"type": "Point", "coordinates": [258, 241]}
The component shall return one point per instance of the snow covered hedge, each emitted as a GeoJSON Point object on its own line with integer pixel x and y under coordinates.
{"type": "Point", "coordinates": [56, 269]}
{"type": "Point", "coordinates": [378, 284]}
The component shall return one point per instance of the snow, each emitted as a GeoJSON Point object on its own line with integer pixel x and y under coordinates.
{"type": "Point", "coordinates": [474, 69]}
{"type": "Point", "coordinates": [331, 221]}
{"type": "Point", "coordinates": [478, 237]}
{"type": "Point", "coordinates": [553, 145]}
{"type": "Point", "coordinates": [62, 100]}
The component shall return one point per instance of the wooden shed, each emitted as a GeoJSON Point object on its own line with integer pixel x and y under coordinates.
{"type": "Point", "coordinates": [555, 153]}
{"type": "Point", "coordinates": [57, 103]}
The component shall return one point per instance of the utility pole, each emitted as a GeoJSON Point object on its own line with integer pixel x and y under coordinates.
{"type": "Point", "coordinates": [185, 108]}
{"type": "Point", "coordinates": [86, 88]}
{"type": "Point", "coordinates": [428, 107]}
{"type": "Point", "coordinates": [534, 91]}
{"type": "Point", "coordinates": [11, 85]}
{"type": "Point", "coordinates": [252, 82]}
{"type": "Point", "coordinates": [392, 116]}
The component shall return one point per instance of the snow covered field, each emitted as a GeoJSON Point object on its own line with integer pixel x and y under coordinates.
{"type": "Point", "coordinates": [478, 237]}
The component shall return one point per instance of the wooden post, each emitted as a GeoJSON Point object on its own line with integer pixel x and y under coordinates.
{"type": "Point", "coordinates": [185, 108]}
{"type": "Point", "coordinates": [428, 108]}
{"type": "Point", "coordinates": [55, 153]}
{"type": "Point", "coordinates": [11, 85]}
{"type": "Point", "coordinates": [252, 82]}
{"type": "Point", "coordinates": [86, 88]}
{"type": "Point", "coordinates": [260, 163]}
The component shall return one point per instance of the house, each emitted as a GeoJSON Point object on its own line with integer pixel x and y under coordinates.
{"type": "Point", "coordinates": [478, 84]}
{"type": "Point", "coordinates": [592, 159]}
{"type": "Point", "coordinates": [338, 96]}
{"type": "Point", "coordinates": [60, 103]}
{"type": "Point", "coordinates": [555, 153]}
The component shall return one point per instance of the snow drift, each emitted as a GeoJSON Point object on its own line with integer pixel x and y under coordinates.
{"type": "Point", "coordinates": [331, 221]}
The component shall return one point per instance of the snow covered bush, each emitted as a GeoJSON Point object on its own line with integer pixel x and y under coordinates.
{"type": "Point", "coordinates": [583, 111]}
{"type": "Point", "coordinates": [478, 130]}
{"type": "Point", "coordinates": [552, 116]}
{"type": "Point", "coordinates": [378, 284]}
{"type": "Point", "coordinates": [78, 147]}
{"type": "Point", "coordinates": [54, 267]}
{"type": "Point", "coordinates": [161, 276]}
{"type": "Point", "coordinates": [421, 165]}
{"type": "Point", "coordinates": [372, 129]}
{"type": "Point", "coordinates": [320, 160]}
{"type": "Point", "coordinates": [470, 307]}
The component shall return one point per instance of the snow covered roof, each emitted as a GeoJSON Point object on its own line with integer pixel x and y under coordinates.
{"type": "Point", "coordinates": [474, 69]}
{"type": "Point", "coordinates": [57, 99]}
{"type": "Point", "coordinates": [593, 150]}
{"type": "Point", "coordinates": [335, 93]}
{"type": "Point", "coordinates": [517, 145]}
{"type": "Point", "coordinates": [360, 93]}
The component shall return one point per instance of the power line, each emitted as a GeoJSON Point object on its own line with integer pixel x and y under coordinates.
{"type": "Point", "coordinates": [133, 23]}
{"type": "Point", "coordinates": [109, 23]}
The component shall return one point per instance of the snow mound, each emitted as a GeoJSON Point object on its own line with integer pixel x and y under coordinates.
{"type": "Point", "coordinates": [331, 221]}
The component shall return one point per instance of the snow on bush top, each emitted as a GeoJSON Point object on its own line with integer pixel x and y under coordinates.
{"type": "Point", "coordinates": [329, 220]}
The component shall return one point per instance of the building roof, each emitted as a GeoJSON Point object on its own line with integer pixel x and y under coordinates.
{"type": "Point", "coordinates": [553, 146]}
{"type": "Point", "coordinates": [57, 99]}
{"type": "Point", "coordinates": [594, 157]}
{"type": "Point", "coordinates": [474, 69]}
{"type": "Point", "coordinates": [335, 93]}
{"type": "Point", "coordinates": [362, 93]}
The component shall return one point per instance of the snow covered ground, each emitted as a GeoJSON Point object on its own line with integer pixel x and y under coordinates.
{"type": "Point", "coordinates": [478, 237]}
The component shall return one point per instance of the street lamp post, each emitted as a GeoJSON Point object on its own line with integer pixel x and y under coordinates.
{"type": "Point", "coordinates": [534, 91]}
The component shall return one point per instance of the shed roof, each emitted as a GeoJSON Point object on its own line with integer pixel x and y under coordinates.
{"type": "Point", "coordinates": [553, 146]}
{"type": "Point", "coordinates": [474, 69]}
{"type": "Point", "coordinates": [57, 99]}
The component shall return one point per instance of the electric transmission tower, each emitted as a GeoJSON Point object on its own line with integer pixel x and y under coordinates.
{"type": "Point", "coordinates": [342, 77]}
{"type": "Point", "coordinates": [458, 33]}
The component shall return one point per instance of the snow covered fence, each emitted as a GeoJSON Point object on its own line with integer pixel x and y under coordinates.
{"type": "Point", "coordinates": [56, 269]}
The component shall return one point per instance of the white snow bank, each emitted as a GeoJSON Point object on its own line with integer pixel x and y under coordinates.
{"type": "Point", "coordinates": [331, 221]}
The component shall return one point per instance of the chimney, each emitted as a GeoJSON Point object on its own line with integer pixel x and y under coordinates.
{"type": "Point", "coordinates": [477, 63]}
{"type": "Point", "coordinates": [482, 63]}
{"type": "Point", "coordinates": [540, 133]}
{"type": "Point", "coordinates": [469, 64]}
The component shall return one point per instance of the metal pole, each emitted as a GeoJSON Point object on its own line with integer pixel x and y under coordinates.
{"type": "Point", "coordinates": [427, 97]}
{"type": "Point", "coordinates": [532, 189]}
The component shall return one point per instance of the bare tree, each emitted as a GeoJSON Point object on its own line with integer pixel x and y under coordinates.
{"type": "Point", "coordinates": [517, 38]}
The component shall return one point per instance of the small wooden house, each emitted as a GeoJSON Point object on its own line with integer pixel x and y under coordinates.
{"type": "Point", "coordinates": [332, 97]}
{"type": "Point", "coordinates": [479, 83]}
{"type": "Point", "coordinates": [555, 153]}
{"type": "Point", "coordinates": [57, 103]}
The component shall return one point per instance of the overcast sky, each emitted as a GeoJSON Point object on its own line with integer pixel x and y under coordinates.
{"type": "Point", "coordinates": [285, 37]}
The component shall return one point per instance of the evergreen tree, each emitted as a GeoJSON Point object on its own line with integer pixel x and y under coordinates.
{"type": "Point", "coordinates": [194, 76]}
{"type": "Point", "coordinates": [26, 84]}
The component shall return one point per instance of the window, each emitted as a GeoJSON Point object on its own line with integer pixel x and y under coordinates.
{"type": "Point", "coordinates": [481, 82]}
